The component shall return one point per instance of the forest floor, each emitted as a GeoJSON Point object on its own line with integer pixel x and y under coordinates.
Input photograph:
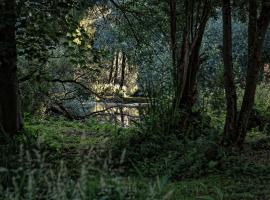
{"type": "Point", "coordinates": [71, 142]}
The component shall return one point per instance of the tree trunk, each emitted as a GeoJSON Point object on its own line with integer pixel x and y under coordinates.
{"type": "Point", "coordinates": [123, 70]}
{"type": "Point", "coordinates": [186, 58]}
{"type": "Point", "coordinates": [257, 32]}
{"type": "Point", "coordinates": [9, 101]}
{"type": "Point", "coordinates": [189, 91]}
{"type": "Point", "coordinates": [111, 69]}
{"type": "Point", "coordinates": [116, 68]}
{"type": "Point", "coordinates": [173, 25]}
{"type": "Point", "coordinates": [230, 134]}
{"type": "Point", "coordinates": [190, 59]}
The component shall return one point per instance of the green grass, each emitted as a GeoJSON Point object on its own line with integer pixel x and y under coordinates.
{"type": "Point", "coordinates": [61, 134]}
{"type": "Point", "coordinates": [69, 168]}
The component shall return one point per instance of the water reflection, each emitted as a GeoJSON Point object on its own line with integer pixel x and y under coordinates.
{"type": "Point", "coordinates": [119, 113]}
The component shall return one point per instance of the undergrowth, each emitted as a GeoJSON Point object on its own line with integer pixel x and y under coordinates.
{"type": "Point", "coordinates": [158, 145]}
{"type": "Point", "coordinates": [58, 159]}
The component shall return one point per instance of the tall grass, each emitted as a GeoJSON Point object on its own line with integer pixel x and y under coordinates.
{"type": "Point", "coordinates": [34, 173]}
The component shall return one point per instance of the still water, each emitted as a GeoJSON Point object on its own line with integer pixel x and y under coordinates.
{"type": "Point", "coordinates": [118, 113]}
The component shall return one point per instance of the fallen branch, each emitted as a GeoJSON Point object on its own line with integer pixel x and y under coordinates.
{"type": "Point", "coordinates": [76, 83]}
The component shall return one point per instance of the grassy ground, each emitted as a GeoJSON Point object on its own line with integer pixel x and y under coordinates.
{"type": "Point", "coordinates": [245, 176]}
{"type": "Point", "coordinates": [60, 134]}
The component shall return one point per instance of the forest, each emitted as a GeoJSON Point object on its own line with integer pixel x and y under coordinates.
{"type": "Point", "coordinates": [134, 99]}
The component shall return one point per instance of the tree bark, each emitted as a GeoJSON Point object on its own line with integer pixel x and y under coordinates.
{"type": "Point", "coordinates": [111, 69]}
{"type": "Point", "coordinates": [186, 58]}
{"type": "Point", "coordinates": [257, 32]}
{"type": "Point", "coordinates": [190, 59]}
{"type": "Point", "coordinates": [230, 134]}
{"type": "Point", "coordinates": [122, 80]}
{"type": "Point", "coordinates": [189, 90]}
{"type": "Point", "coordinates": [173, 26]}
{"type": "Point", "coordinates": [116, 68]}
{"type": "Point", "coordinates": [9, 101]}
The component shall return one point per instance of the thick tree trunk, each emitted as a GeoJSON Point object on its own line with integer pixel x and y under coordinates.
{"type": "Point", "coordinates": [257, 32]}
{"type": "Point", "coordinates": [115, 79]}
{"type": "Point", "coordinates": [122, 80]}
{"type": "Point", "coordinates": [9, 101]}
{"type": "Point", "coordinates": [230, 134]}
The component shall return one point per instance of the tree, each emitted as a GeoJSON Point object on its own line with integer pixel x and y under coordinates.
{"type": "Point", "coordinates": [116, 67]}
{"type": "Point", "coordinates": [187, 59]}
{"type": "Point", "coordinates": [257, 28]}
{"type": "Point", "coordinates": [257, 31]}
{"type": "Point", "coordinates": [9, 98]}
{"type": "Point", "coordinates": [122, 80]}
{"type": "Point", "coordinates": [230, 88]}
{"type": "Point", "coordinates": [111, 69]}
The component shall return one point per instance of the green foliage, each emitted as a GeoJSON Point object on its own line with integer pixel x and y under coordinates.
{"type": "Point", "coordinates": [66, 166]}
{"type": "Point", "coordinates": [262, 99]}
{"type": "Point", "coordinates": [54, 42]}
{"type": "Point", "coordinates": [64, 52]}
{"type": "Point", "coordinates": [59, 134]}
{"type": "Point", "coordinates": [159, 146]}
{"type": "Point", "coordinates": [33, 177]}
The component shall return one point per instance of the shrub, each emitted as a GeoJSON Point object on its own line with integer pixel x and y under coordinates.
{"type": "Point", "coordinates": [159, 146]}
